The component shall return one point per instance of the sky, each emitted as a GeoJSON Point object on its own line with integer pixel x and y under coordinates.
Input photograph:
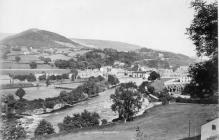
{"type": "Point", "coordinates": [156, 24]}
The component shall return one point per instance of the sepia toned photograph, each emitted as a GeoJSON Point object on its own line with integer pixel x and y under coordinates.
{"type": "Point", "coordinates": [109, 70]}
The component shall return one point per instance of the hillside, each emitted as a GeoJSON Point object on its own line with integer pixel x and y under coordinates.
{"type": "Point", "coordinates": [170, 122]}
{"type": "Point", "coordinates": [101, 44]}
{"type": "Point", "coordinates": [36, 38]}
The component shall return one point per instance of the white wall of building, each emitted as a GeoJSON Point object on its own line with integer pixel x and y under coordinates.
{"type": "Point", "coordinates": [208, 132]}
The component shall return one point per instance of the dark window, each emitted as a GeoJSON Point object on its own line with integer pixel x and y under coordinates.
{"type": "Point", "coordinates": [213, 127]}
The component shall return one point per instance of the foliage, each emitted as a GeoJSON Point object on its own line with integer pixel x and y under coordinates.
{"type": "Point", "coordinates": [20, 93]}
{"type": "Point", "coordinates": [126, 100]}
{"type": "Point", "coordinates": [203, 32]}
{"type": "Point", "coordinates": [42, 77]}
{"type": "Point", "coordinates": [113, 80]}
{"type": "Point", "coordinates": [204, 28]}
{"type": "Point", "coordinates": [46, 60]}
{"type": "Point", "coordinates": [85, 119]}
{"type": "Point", "coordinates": [17, 58]}
{"type": "Point", "coordinates": [62, 64]}
{"type": "Point", "coordinates": [164, 96]}
{"type": "Point", "coordinates": [33, 65]}
{"type": "Point", "coordinates": [153, 76]}
{"type": "Point", "coordinates": [29, 78]}
{"type": "Point", "coordinates": [12, 131]}
{"type": "Point", "coordinates": [145, 88]}
{"type": "Point", "coordinates": [9, 101]}
{"type": "Point", "coordinates": [204, 77]}
{"type": "Point", "coordinates": [44, 128]}
{"type": "Point", "coordinates": [104, 121]}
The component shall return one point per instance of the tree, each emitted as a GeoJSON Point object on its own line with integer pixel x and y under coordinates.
{"type": "Point", "coordinates": [12, 131]}
{"type": "Point", "coordinates": [204, 33]}
{"type": "Point", "coordinates": [204, 28]}
{"type": "Point", "coordinates": [20, 93]}
{"type": "Point", "coordinates": [204, 79]}
{"type": "Point", "coordinates": [33, 65]}
{"type": "Point", "coordinates": [44, 128]}
{"type": "Point", "coordinates": [153, 76]}
{"type": "Point", "coordinates": [104, 121]}
{"type": "Point", "coordinates": [17, 59]}
{"type": "Point", "coordinates": [85, 119]}
{"type": "Point", "coordinates": [113, 80]}
{"type": "Point", "coordinates": [126, 100]}
{"type": "Point", "coordinates": [9, 104]}
{"type": "Point", "coordinates": [146, 88]}
{"type": "Point", "coordinates": [47, 60]}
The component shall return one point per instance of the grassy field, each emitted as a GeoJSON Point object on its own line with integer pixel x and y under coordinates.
{"type": "Point", "coordinates": [14, 65]}
{"type": "Point", "coordinates": [35, 92]}
{"type": "Point", "coordinates": [170, 122]}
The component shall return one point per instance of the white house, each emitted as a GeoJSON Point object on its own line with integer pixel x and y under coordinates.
{"type": "Point", "coordinates": [140, 74]}
{"type": "Point", "coordinates": [210, 130]}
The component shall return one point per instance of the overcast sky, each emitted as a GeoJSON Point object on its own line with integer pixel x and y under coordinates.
{"type": "Point", "coordinates": [157, 24]}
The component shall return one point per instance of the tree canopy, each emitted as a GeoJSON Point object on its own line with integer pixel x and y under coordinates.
{"type": "Point", "coordinates": [204, 33]}
{"type": "Point", "coordinates": [204, 28]}
{"type": "Point", "coordinates": [20, 93]}
{"type": "Point", "coordinates": [126, 100]}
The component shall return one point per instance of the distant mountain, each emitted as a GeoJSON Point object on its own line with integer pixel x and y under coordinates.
{"type": "Point", "coordinates": [39, 39]}
{"type": "Point", "coordinates": [101, 44]}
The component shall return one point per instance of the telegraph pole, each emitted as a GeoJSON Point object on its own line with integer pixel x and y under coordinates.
{"type": "Point", "coordinates": [189, 128]}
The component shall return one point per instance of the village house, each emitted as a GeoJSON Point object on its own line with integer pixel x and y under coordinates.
{"type": "Point", "coordinates": [140, 74]}
{"type": "Point", "coordinates": [84, 74]}
{"type": "Point", "coordinates": [210, 130]}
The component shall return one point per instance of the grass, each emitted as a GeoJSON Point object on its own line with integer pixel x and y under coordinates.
{"type": "Point", "coordinates": [170, 122]}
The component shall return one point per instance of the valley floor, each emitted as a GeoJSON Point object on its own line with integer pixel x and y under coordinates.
{"type": "Point", "coordinates": [169, 122]}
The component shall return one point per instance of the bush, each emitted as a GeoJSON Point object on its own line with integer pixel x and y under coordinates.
{"type": "Point", "coordinates": [113, 80]}
{"type": "Point", "coordinates": [44, 128]}
{"type": "Point", "coordinates": [20, 93]}
{"type": "Point", "coordinates": [85, 119]}
{"type": "Point", "coordinates": [104, 121]}
{"type": "Point", "coordinates": [33, 65]}
{"type": "Point", "coordinates": [13, 131]}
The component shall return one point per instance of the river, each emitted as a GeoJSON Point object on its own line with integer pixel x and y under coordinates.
{"type": "Point", "coordinates": [100, 104]}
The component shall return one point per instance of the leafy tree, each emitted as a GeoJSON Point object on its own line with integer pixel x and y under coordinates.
{"type": "Point", "coordinates": [17, 59]}
{"type": "Point", "coordinates": [20, 93]}
{"type": "Point", "coordinates": [113, 80]}
{"type": "Point", "coordinates": [146, 88]}
{"type": "Point", "coordinates": [204, 77]}
{"type": "Point", "coordinates": [104, 121]}
{"type": "Point", "coordinates": [31, 77]}
{"type": "Point", "coordinates": [85, 119]}
{"type": "Point", "coordinates": [9, 101]}
{"type": "Point", "coordinates": [153, 76]}
{"type": "Point", "coordinates": [42, 77]}
{"type": "Point", "coordinates": [12, 131]}
{"type": "Point", "coordinates": [164, 96]}
{"type": "Point", "coordinates": [33, 65]}
{"type": "Point", "coordinates": [204, 33]}
{"type": "Point", "coordinates": [126, 101]}
{"type": "Point", "coordinates": [47, 60]}
{"type": "Point", "coordinates": [44, 128]}
{"type": "Point", "coordinates": [62, 64]}
{"type": "Point", "coordinates": [204, 28]}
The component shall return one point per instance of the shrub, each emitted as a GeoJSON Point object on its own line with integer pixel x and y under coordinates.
{"type": "Point", "coordinates": [12, 131]}
{"type": "Point", "coordinates": [20, 93]}
{"type": "Point", "coordinates": [33, 65]}
{"type": "Point", "coordinates": [113, 80]}
{"type": "Point", "coordinates": [44, 128]}
{"type": "Point", "coordinates": [85, 119]}
{"type": "Point", "coordinates": [104, 121]}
